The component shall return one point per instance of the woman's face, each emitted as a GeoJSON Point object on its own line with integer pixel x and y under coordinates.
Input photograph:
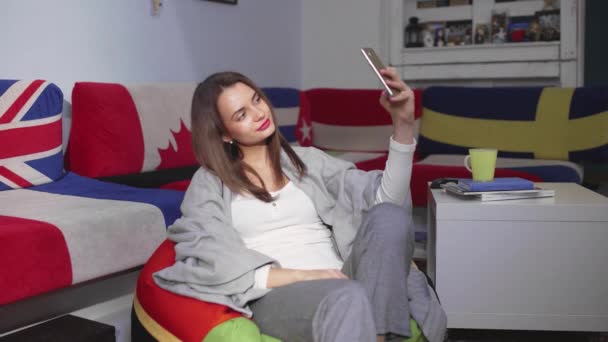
{"type": "Point", "coordinates": [245, 115]}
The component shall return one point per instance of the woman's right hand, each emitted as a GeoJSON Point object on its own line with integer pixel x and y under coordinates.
{"type": "Point", "coordinates": [283, 276]}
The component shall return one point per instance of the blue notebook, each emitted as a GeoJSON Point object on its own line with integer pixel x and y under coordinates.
{"type": "Point", "coordinates": [498, 184]}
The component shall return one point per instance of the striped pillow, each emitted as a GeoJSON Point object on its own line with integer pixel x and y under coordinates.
{"type": "Point", "coordinates": [30, 133]}
{"type": "Point", "coordinates": [350, 120]}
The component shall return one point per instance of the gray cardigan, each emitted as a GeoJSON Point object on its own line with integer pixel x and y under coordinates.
{"type": "Point", "coordinates": [213, 265]}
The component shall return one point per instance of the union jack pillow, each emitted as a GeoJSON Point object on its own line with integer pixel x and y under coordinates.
{"type": "Point", "coordinates": [30, 133]}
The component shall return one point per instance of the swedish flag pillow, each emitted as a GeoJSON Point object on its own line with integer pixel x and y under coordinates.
{"type": "Point", "coordinates": [521, 122]}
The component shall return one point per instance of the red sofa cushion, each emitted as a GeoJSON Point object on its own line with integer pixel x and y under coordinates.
{"type": "Point", "coordinates": [34, 259]}
{"type": "Point", "coordinates": [422, 174]}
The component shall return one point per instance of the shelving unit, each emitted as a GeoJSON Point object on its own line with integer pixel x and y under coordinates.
{"type": "Point", "coordinates": [440, 13]}
{"type": "Point", "coordinates": [546, 63]}
{"type": "Point", "coordinates": [509, 52]}
{"type": "Point", "coordinates": [519, 8]}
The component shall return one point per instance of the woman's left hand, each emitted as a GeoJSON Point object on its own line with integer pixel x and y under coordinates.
{"type": "Point", "coordinates": [401, 104]}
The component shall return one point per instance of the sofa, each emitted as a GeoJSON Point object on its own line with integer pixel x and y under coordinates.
{"type": "Point", "coordinates": [60, 231]}
{"type": "Point", "coordinates": [139, 135]}
{"type": "Point", "coordinates": [130, 143]}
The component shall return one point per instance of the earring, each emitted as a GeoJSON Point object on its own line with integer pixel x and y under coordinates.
{"type": "Point", "coordinates": [233, 150]}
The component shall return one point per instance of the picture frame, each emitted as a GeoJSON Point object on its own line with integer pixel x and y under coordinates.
{"type": "Point", "coordinates": [227, 2]}
{"type": "Point", "coordinates": [482, 34]}
{"type": "Point", "coordinates": [459, 32]}
{"type": "Point", "coordinates": [425, 4]}
{"type": "Point", "coordinates": [519, 29]}
{"type": "Point", "coordinates": [434, 34]}
{"type": "Point", "coordinates": [549, 24]}
{"type": "Point", "coordinates": [498, 26]}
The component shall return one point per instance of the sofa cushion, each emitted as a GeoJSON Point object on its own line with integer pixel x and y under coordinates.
{"type": "Point", "coordinates": [80, 229]}
{"type": "Point", "coordinates": [122, 129]}
{"type": "Point", "coordinates": [451, 166]}
{"type": "Point", "coordinates": [363, 160]}
{"type": "Point", "coordinates": [524, 122]}
{"type": "Point", "coordinates": [129, 129]}
{"type": "Point", "coordinates": [30, 133]}
{"type": "Point", "coordinates": [33, 258]}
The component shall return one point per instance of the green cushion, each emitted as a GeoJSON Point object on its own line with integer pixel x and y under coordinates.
{"type": "Point", "coordinates": [242, 329]}
{"type": "Point", "coordinates": [238, 329]}
{"type": "Point", "coordinates": [417, 335]}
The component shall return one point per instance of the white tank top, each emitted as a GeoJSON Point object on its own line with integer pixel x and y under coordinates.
{"type": "Point", "coordinates": [287, 229]}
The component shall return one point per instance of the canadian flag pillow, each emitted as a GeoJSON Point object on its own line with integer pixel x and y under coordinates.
{"type": "Point", "coordinates": [121, 129]}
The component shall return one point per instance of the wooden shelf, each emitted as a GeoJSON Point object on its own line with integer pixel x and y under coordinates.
{"type": "Point", "coordinates": [480, 71]}
{"type": "Point", "coordinates": [520, 8]}
{"type": "Point", "coordinates": [463, 12]}
{"type": "Point", "coordinates": [531, 51]}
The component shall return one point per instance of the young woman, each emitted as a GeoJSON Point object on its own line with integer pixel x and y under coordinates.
{"type": "Point", "coordinates": [311, 247]}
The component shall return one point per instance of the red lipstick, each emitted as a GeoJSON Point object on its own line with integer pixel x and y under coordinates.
{"type": "Point", "coordinates": [264, 125]}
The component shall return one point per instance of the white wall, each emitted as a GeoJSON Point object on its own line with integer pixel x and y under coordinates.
{"type": "Point", "coordinates": [332, 33]}
{"type": "Point", "coordinates": [120, 41]}
{"type": "Point", "coordinates": [298, 43]}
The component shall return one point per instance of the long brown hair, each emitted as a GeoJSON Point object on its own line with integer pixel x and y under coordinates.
{"type": "Point", "coordinates": [225, 159]}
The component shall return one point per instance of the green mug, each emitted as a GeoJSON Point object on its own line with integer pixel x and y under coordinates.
{"type": "Point", "coordinates": [483, 163]}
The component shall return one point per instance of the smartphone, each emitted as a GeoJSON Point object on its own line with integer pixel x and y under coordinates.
{"type": "Point", "coordinates": [374, 61]}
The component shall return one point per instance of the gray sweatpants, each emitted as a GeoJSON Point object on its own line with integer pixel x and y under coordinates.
{"type": "Point", "coordinates": [374, 302]}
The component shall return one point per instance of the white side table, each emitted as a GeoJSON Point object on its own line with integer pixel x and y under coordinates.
{"type": "Point", "coordinates": [532, 264]}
